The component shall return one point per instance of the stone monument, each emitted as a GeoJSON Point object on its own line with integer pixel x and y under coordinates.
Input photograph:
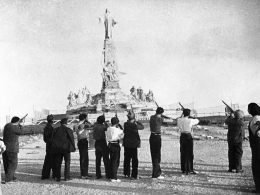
{"type": "Point", "coordinates": [111, 96]}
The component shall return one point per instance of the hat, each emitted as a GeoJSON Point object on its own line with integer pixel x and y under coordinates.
{"type": "Point", "coordinates": [50, 118]}
{"type": "Point", "coordinates": [114, 120]}
{"type": "Point", "coordinates": [239, 114]}
{"type": "Point", "coordinates": [130, 115]}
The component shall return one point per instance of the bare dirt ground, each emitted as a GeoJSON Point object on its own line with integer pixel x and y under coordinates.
{"type": "Point", "coordinates": [210, 162]}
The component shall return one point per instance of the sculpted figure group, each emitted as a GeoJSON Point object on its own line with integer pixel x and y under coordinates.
{"type": "Point", "coordinates": [138, 94]}
{"type": "Point", "coordinates": [82, 97]}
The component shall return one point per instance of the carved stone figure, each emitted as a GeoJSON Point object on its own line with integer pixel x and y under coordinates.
{"type": "Point", "coordinates": [109, 22]}
{"type": "Point", "coordinates": [71, 98]}
{"type": "Point", "coordinates": [150, 96]}
{"type": "Point", "coordinates": [133, 92]}
{"type": "Point", "coordinates": [79, 97]}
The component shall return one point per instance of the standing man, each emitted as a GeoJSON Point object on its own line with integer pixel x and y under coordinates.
{"type": "Point", "coordinates": [113, 136]}
{"type": "Point", "coordinates": [83, 136]}
{"type": "Point", "coordinates": [101, 148]}
{"type": "Point", "coordinates": [131, 142]}
{"type": "Point", "coordinates": [235, 137]}
{"type": "Point", "coordinates": [156, 142]}
{"type": "Point", "coordinates": [62, 145]}
{"type": "Point", "coordinates": [47, 137]}
{"type": "Point", "coordinates": [185, 124]}
{"type": "Point", "coordinates": [10, 156]}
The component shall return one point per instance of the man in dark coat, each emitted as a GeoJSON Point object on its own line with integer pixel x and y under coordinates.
{"type": "Point", "coordinates": [101, 148]}
{"type": "Point", "coordinates": [62, 145]}
{"type": "Point", "coordinates": [10, 156]}
{"type": "Point", "coordinates": [235, 139]}
{"type": "Point", "coordinates": [131, 142]}
{"type": "Point", "coordinates": [47, 137]}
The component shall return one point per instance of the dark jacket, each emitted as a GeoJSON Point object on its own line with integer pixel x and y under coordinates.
{"type": "Point", "coordinates": [11, 137]}
{"type": "Point", "coordinates": [131, 136]}
{"type": "Point", "coordinates": [63, 140]}
{"type": "Point", "coordinates": [47, 136]}
{"type": "Point", "coordinates": [99, 131]}
{"type": "Point", "coordinates": [235, 133]}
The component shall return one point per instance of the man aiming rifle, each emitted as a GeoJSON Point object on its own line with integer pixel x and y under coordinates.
{"type": "Point", "coordinates": [185, 124]}
{"type": "Point", "coordinates": [11, 134]}
{"type": "Point", "coordinates": [235, 137]}
{"type": "Point", "coordinates": [155, 141]}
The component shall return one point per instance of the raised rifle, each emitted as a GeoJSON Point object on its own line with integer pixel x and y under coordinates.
{"type": "Point", "coordinates": [231, 110]}
{"type": "Point", "coordinates": [133, 112]}
{"type": "Point", "coordinates": [120, 126]}
{"type": "Point", "coordinates": [21, 119]}
{"type": "Point", "coordinates": [181, 106]}
{"type": "Point", "coordinates": [183, 109]}
{"type": "Point", "coordinates": [162, 114]}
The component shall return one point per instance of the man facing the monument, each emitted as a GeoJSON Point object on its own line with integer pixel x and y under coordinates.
{"type": "Point", "coordinates": [83, 136]}
{"type": "Point", "coordinates": [131, 142]}
{"type": "Point", "coordinates": [10, 156]}
{"type": "Point", "coordinates": [101, 148]}
{"type": "Point", "coordinates": [156, 142]}
{"type": "Point", "coordinates": [47, 138]}
{"type": "Point", "coordinates": [186, 141]}
{"type": "Point", "coordinates": [62, 145]}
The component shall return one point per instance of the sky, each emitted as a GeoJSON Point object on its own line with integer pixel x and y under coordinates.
{"type": "Point", "coordinates": [185, 51]}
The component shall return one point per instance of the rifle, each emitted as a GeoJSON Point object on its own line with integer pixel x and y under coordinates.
{"type": "Point", "coordinates": [133, 112]}
{"type": "Point", "coordinates": [120, 126]}
{"type": "Point", "coordinates": [181, 106]}
{"type": "Point", "coordinates": [162, 114]}
{"type": "Point", "coordinates": [21, 119]}
{"type": "Point", "coordinates": [231, 110]}
{"type": "Point", "coordinates": [183, 109]}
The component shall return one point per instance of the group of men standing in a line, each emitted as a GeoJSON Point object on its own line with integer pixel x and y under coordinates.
{"type": "Point", "coordinates": [60, 143]}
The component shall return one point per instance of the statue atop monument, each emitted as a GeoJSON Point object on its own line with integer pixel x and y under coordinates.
{"type": "Point", "coordinates": [109, 22]}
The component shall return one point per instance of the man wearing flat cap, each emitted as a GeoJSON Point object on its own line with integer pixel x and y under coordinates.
{"type": "Point", "coordinates": [131, 142]}
{"type": "Point", "coordinates": [235, 136]}
{"type": "Point", "coordinates": [47, 138]}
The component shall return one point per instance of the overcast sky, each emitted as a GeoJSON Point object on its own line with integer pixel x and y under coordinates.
{"type": "Point", "coordinates": [203, 51]}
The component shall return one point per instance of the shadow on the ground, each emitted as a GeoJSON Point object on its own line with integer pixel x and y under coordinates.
{"type": "Point", "coordinates": [31, 173]}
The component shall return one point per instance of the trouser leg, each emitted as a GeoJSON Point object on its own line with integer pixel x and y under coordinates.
{"type": "Point", "coordinates": [155, 148]}
{"type": "Point", "coordinates": [105, 154]}
{"type": "Point", "coordinates": [189, 155]}
{"type": "Point", "coordinates": [238, 152]}
{"type": "Point", "coordinates": [84, 159]}
{"type": "Point", "coordinates": [127, 159]}
{"type": "Point", "coordinates": [46, 169]}
{"type": "Point", "coordinates": [134, 162]}
{"type": "Point", "coordinates": [231, 156]}
{"type": "Point", "coordinates": [98, 161]}
{"type": "Point", "coordinates": [67, 166]}
{"type": "Point", "coordinates": [256, 168]}
{"type": "Point", "coordinates": [58, 161]}
{"type": "Point", "coordinates": [114, 151]}
{"type": "Point", "coordinates": [10, 164]}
